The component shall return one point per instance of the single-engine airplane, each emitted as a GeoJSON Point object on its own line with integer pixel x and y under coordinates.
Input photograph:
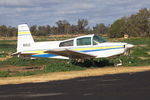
{"type": "Point", "coordinates": [79, 48]}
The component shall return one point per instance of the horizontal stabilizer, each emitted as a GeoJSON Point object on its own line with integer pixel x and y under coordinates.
{"type": "Point", "coordinates": [19, 53]}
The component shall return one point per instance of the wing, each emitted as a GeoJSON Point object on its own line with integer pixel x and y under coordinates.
{"type": "Point", "coordinates": [70, 53]}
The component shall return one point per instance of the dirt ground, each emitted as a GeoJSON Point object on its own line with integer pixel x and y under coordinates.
{"type": "Point", "coordinates": [20, 69]}
{"type": "Point", "coordinates": [72, 74]}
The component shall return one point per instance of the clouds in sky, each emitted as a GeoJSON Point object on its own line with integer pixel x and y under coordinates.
{"type": "Point", "coordinates": [43, 12]}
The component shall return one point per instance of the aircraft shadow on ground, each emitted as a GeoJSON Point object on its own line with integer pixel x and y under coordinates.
{"type": "Point", "coordinates": [94, 63]}
{"type": "Point", "coordinates": [128, 86]}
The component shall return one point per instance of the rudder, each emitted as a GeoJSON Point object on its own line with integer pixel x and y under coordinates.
{"type": "Point", "coordinates": [25, 40]}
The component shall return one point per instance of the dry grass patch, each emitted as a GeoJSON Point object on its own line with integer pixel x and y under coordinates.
{"type": "Point", "coordinates": [66, 35]}
{"type": "Point", "coordinates": [143, 45]}
{"type": "Point", "coordinates": [5, 58]}
{"type": "Point", "coordinates": [8, 38]}
{"type": "Point", "coordinates": [144, 58]}
{"type": "Point", "coordinates": [2, 58]}
{"type": "Point", "coordinates": [148, 53]}
{"type": "Point", "coordinates": [73, 74]}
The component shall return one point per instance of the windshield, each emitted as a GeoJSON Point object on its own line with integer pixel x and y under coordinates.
{"type": "Point", "coordinates": [97, 40]}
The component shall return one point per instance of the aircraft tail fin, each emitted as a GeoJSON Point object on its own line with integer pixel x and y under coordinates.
{"type": "Point", "coordinates": [25, 40]}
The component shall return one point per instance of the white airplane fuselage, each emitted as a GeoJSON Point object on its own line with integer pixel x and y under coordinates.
{"type": "Point", "coordinates": [91, 45]}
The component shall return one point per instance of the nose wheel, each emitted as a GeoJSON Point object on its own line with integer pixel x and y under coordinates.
{"type": "Point", "coordinates": [119, 63]}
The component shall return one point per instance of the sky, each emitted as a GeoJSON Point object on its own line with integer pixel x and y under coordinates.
{"type": "Point", "coordinates": [48, 12]}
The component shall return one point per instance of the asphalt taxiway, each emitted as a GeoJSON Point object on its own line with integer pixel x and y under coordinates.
{"type": "Point", "coordinates": [128, 86]}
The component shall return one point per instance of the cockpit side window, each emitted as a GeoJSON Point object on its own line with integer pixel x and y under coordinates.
{"type": "Point", "coordinates": [84, 41]}
{"type": "Point", "coordinates": [97, 40]}
{"type": "Point", "coordinates": [66, 43]}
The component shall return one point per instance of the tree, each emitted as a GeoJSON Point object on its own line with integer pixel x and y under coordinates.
{"type": "Point", "coordinates": [2, 30]}
{"type": "Point", "coordinates": [33, 29]}
{"type": "Point", "coordinates": [63, 26]}
{"type": "Point", "coordinates": [48, 29]}
{"type": "Point", "coordinates": [135, 25]}
{"type": "Point", "coordinates": [116, 28]}
{"type": "Point", "coordinates": [42, 31]}
{"type": "Point", "coordinates": [82, 23]}
{"type": "Point", "coordinates": [11, 31]}
{"type": "Point", "coordinates": [100, 29]}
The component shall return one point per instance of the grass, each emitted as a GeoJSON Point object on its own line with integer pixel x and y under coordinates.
{"type": "Point", "coordinates": [141, 49]}
{"type": "Point", "coordinates": [8, 47]}
{"type": "Point", "coordinates": [4, 74]}
{"type": "Point", "coordinates": [51, 65]}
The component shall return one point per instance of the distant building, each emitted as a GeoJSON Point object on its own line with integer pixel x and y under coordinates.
{"type": "Point", "coordinates": [126, 36]}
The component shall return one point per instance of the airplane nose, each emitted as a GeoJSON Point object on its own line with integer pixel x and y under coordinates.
{"type": "Point", "coordinates": [129, 46]}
